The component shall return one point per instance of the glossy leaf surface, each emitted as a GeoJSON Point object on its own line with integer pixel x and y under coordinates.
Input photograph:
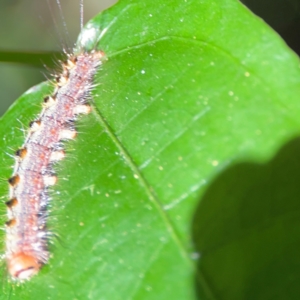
{"type": "Point", "coordinates": [193, 102]}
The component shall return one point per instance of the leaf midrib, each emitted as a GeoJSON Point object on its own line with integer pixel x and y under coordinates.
{"type": "Point", "coordinates": [152, 197]}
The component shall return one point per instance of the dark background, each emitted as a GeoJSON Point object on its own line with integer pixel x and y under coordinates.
{"type": "Point", "coordinates": [282, 15]}
{"type": "Point", "coordinates": [33, 25]}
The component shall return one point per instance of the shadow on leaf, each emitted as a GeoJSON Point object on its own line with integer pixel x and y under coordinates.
{"type": "Point", "coordinates": [247, 230]}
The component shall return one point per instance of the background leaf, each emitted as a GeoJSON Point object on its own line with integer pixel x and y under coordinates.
{"type": "Point", "coordinates": [33, 34]}
{"type": "Point", "coordinates": [194, 101]}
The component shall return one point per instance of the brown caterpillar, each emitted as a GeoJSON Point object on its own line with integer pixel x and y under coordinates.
{"type": "Point", "coordinates": [26, 230]}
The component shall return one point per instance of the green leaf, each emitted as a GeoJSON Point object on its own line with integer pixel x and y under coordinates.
{"type": "Point", "coordinates": [38, 59]}
{"type": "Point", "coordinates": [192, 104]}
